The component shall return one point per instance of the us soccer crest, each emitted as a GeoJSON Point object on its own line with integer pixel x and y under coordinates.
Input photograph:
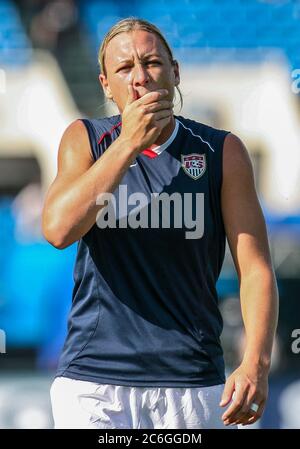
{"type": "Point", "coordinates": [194, 164]}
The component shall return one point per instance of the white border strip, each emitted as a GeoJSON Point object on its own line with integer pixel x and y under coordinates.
{"type": "Point", "coordinates": [196, 135]}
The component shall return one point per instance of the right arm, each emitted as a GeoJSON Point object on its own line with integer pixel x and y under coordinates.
{"type": "Point", "coordinates": [70, 208]}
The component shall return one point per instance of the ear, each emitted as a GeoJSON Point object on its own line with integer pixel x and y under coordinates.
{"type": "Point", "coordinates": [176, 72]}
{"type": "Point", "coordinates": [105, 86]}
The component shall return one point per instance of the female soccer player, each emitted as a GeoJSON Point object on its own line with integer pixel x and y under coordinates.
{"type": "Point", "coordinates": [151, 197]}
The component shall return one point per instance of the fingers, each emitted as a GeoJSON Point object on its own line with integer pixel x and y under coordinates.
{"type": "Point", "coordinates": [246, 415]}
{"type": "Point", "coordinates": [154, 107]}
{"type": "Point", "coordinates": [249, 387]}
{"type": "Point", "coordinates": [254, 416]}
{"type": "Point", "coordinates": [151, 102]}
{"type": "Point", "coordinates": [132, 95]}
{"type": "Point", "coordinates": [229, 416]}
{"type": "Point", "coordinates": [162, 114]}
{"type": "Point", "coordinates": [245, 411]}
{"type": "Point", "coordinates": [154, 96]}
{"type": "Point", "coordinates": [228, 392]}
{"type": "Point", "coordinates": [154, 119]}
{"type": "Point", "coordinates": [145, 117]}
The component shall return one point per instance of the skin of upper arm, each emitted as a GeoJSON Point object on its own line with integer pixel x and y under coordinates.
{"type": "Point", "coordinates": [74, 158]}
{"type": "Point", "coordinates": [242, 214]}
{"type": "Point", "coordinates": [74, 153]}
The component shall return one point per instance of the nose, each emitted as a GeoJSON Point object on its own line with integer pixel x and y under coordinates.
{"type": "Point", "coordinates": [140, 75]}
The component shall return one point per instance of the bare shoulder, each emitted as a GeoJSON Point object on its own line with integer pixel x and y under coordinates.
{"type": "Point", "coordinates": [242, 213]}
{"type": "Point", "coordinates": [74, 148]}
{"type": "Point", "coordinates": [236, 160]}
{"type": "Point", "coordinates": [74, 156]}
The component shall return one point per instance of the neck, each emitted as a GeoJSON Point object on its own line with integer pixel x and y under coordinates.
{"type": "Point", "coordinates": [165, 133]}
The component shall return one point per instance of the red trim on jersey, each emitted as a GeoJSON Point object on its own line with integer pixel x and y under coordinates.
{"type": "Point", "coordinates": [107, 133]}
{"type": "Point", "coordinates": [147, 151]}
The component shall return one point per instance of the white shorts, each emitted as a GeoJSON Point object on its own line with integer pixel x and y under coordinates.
{"type": "Point", "coordinates": [81, 404]}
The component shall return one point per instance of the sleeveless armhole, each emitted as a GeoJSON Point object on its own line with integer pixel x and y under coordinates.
{"type": "Point", "coordinates": [216, 139]}
{"type": "Point", "coordinates": [218, 143]}
{"type": "Point", "coordinates": [92, 138]}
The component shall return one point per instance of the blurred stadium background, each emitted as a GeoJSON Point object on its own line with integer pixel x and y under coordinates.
{"type": "Point", "coordinates": [240, 70]}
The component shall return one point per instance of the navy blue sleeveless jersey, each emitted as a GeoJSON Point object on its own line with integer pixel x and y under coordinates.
{"type": "Point", "coordinates": [144, 305]}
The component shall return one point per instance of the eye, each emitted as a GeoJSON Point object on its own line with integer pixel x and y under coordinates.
{"type": "Point", "coordinates": [154, 61]}
{"type": "Point", "coordinates": [124, 68]}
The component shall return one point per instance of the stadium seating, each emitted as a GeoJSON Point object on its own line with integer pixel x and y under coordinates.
{"type": "Point", "coordinates": [226, 24]}
{"type": "Point", "coordinates": [15, 47]}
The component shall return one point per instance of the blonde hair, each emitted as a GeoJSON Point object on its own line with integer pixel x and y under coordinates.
{"type": "Point", "coordinates": [125, 26]}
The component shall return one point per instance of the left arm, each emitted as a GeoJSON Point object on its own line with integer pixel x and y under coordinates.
{"type": "Point", "coordinates": [248, 242]}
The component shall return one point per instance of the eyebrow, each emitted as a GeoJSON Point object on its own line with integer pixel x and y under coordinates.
{"type": "Point", "coordinates": [146, 56]}
{"type": "Point", "coordinates": [149, 55]}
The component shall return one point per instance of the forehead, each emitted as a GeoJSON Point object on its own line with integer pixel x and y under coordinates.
{"type": "Point", "coordinates": [138, 42]}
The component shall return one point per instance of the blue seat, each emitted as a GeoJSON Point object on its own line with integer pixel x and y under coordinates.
{"type": "Point", "coordinates": [231, 24]}
{"type": "Point", "coordinates": [13, 36]}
